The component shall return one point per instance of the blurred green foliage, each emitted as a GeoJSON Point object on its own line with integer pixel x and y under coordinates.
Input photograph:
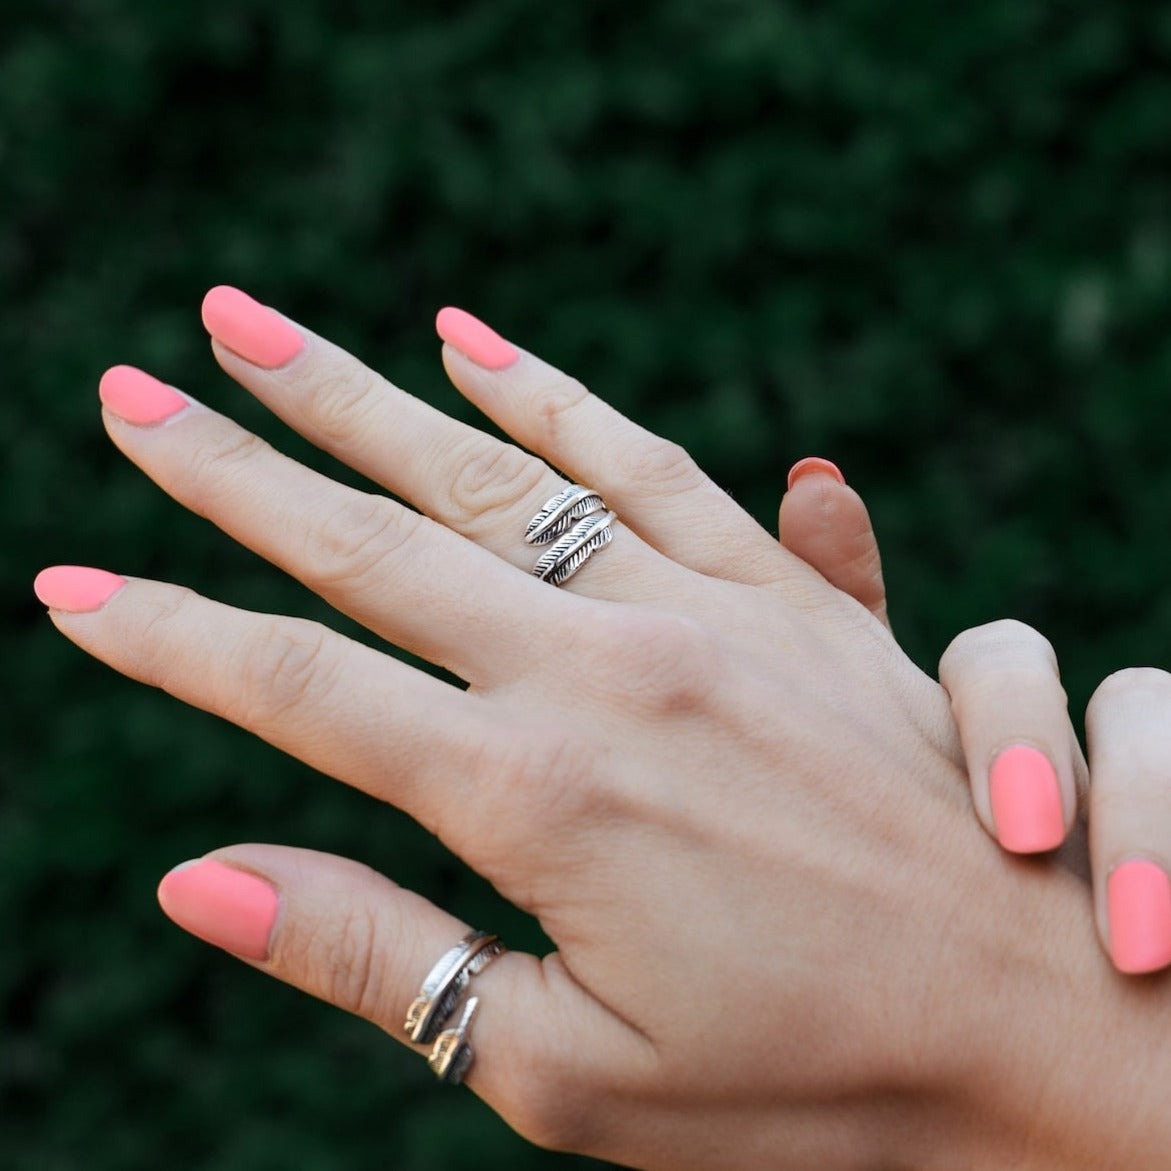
{"type": "Point", "coordinates": [931, 241]}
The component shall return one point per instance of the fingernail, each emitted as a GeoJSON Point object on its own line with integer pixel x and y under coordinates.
{"type": "Point", "coordinates": [813, 465]}
{"type": "Point", "coordinates": [1138, 897]}
{"type": "Point", "coordinates": [1026, 801]}
{"type": "Point", "coordinates": [136, 397]}
{"type": "Point", "coordinates": [474, 339]}
{"type": "Point", "coordinates": [250, 329]}
{"type": "Point", "coordinates": [221, 905]}
{"type": "Point", "coordinates": [76, 589]}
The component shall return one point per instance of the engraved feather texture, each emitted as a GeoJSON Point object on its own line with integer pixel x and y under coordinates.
{"type": "Point", "coordinates": [451, 1058]}
{"type": "Point", "coordinates": [562, 560]}
{"type": "Point", "coordinates": [446, 983]}
{"type": "Point", "coordinates": [568, 568]}
{"type": "Point", "coordinates": [561, 512]}
{"type": "Point", "coordinates": [485, 957]}
{"type": "Point", "coordinates": [443, 986]}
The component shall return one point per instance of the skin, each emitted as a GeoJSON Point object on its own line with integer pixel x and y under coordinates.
{"type": "Point", "coordinates": [781, 939]}
{"type": "Point", "coordinates": [1004, 686]}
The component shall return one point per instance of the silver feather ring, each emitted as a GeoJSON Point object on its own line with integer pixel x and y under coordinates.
{"type": "Point", "coordinates": [578, 523]}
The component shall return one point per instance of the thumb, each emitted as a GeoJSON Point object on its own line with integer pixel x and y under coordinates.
{"type": "Point", "coordinates": [825, 523]}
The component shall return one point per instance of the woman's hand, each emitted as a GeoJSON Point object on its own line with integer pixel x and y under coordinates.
{"type": "Point", "coordinates": [1025, 766]}
{"type": "Point", "coordinates": [730, 799]}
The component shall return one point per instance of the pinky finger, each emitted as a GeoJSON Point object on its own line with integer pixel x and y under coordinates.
{"type": "Point", "coordinates": [825, 523]}
{"type": "Point", "coordinates": [343, 933]}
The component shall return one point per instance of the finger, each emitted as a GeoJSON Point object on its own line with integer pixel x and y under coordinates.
{"type": "Point", "coordinates": [403, 576]}
{"type": "Point", "coordinates": [1024, 763]}
{"type": "Point", "coordinates": [345, 934]}
{"type": "Point", "coordinates": [341, 707]}
{"type": "Point", "coordinates": [654, 485]}
{"type": "Point", "coordinates": [467, 481]}
{"type": "Point", "coordinates": [1128, 727]}
{"type": "Point", "coordinates": [825, 523]}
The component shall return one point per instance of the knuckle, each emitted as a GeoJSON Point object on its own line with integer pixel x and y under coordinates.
{"type": "Point", "coordinates": [1132, 684]}
{"type": "Point", "coordinates": [1004, 644]}
{"type": "Point", "coordinates": [555, 402]}
{"type": "Point", "coordinates": [280, 671]}
{"type": "Point", "coordinates": [661, 463]}
{"type": "Point", "coordinates": [662, 663]}
{"type": "Point", "coordinates": [209, 465]}
{"type": "Point", "coordinates": [342, 400]}
{"type": "Point", "coordinates": [355, 974]}
{"type": "Point", "coordinates": [156, 636]}
{"type": "Point", "coordinates": [490, 478]}
{"type": "Point", "coordinates": [555, 768]}
{"type": "Point", "coordinates": [560, 768]}
{"type": "Point", "coordinates": [357, 536]}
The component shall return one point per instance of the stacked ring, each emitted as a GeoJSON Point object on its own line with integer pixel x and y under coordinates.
{"type": "Point", "coordinates": [578, 523]}
{"type": "Point", "coordinates": [439, 997]}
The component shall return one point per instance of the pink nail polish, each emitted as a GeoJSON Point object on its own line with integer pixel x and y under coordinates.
{"type": "Point", "coordinates": [136, 397]}
{"type": "Point", "coordinates": [1138, 899]}
{"type": "Point", "coordinates": [250, 329]}
{"type": "Point", "coordinates": [814, 464]}
{"type": "Point", "coordinates": [474, 339]}
{"type": "Point", "coordinates": [76, 589]}
{"type": "Point", "coordinates": [221, 905]}
{"type": "Point", "coordinates": [1026, 801]}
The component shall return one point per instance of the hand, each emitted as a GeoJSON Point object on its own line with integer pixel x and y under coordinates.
{"type": "Point", "coordinates": [1025, 765]}
{"type": "Point", "coordinates": [727, 795]}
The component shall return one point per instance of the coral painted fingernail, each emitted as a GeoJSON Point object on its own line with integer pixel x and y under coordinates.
{"type": "Point", "coordinates": [1138, 898]}
{"type": "Point", "coordinates": [136, 397]}
{"type": "Point", "coordinates": [76, 589]}
{"type": "Point", "coordinates": [1026, 801]}
{"type": "Point", "coordinates": [474, 339]}
{"type": "Point", "coordinates": [811, 465]}
{"type": "Point", "coordinates": [252, 330]}
{"type": "Point", "coordinates": [221, 905]}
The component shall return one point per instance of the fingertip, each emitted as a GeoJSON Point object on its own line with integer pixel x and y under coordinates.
{"type": "Point", "coordinates": [813, 465]}
{"type": "Point", "coordinates": [137, 397]}
{"type": "Point", "coordinates": [1139, 910]}
{"type": "Point", "coordinates": [249, 329]}
{"type": "Point", "coordinates": [222, 905]}
{"type": "Point", "coordinates": [76, 589]}
{"type": "Point", "coordinates": [826, 523]}
{"type": "Point", "coordinates": [1025, 797]}
{"type": "Point", "coordinates": [477, 342]}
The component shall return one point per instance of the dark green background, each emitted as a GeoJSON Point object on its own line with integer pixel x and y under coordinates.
{"type": "Point", "coordinates": [929, 240]}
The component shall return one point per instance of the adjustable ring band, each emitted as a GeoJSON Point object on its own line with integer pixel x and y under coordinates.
{"type": "Point", "coordinates": [577, 520]}
{"type": "Point", "coordinates": [453, 1055]}
{"type": "Point", "coordinates": [444, 985]}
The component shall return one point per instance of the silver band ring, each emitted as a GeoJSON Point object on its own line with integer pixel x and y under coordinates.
{"type": "Point", "coordinates": [443, 986]}
{"type": "Point", "coordinates": [578, 523]}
